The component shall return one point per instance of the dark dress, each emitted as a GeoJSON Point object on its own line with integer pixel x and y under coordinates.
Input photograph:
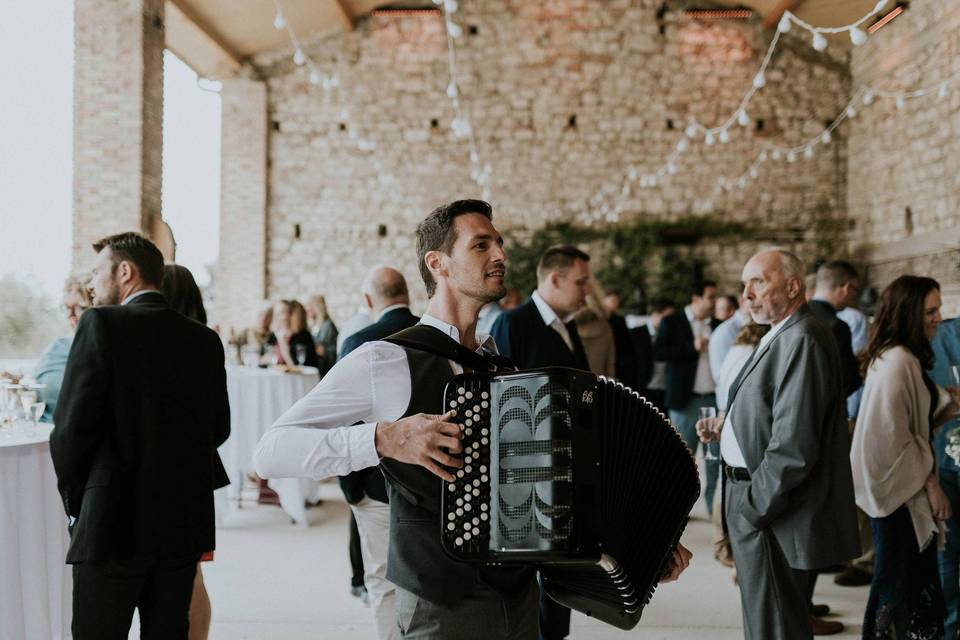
{"type": "Point", "coordinates": [906, 596]}
{"type": "Point", "coordinates": [300, 338]}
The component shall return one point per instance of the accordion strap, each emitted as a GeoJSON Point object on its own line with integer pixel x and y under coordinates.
{"type": "Point", "coordinates": [431, 340]}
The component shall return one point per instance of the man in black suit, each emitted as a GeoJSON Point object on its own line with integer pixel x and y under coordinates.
{"type": "Point", "coordinates": [838, 286]}
{"type": "Point", "coordinates": [388, 300]}
{"type": "Point", "coordinates": [683, 343]}
{"type": "Point", "coordinates": [141, 412]}
{"type": "Point", "coordinates": [541, 333]}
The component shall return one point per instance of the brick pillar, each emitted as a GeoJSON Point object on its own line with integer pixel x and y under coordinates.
{"type": "Point", "coordinates": [118, 119]}
{"type": "Point", "coordinates": [241, 274]}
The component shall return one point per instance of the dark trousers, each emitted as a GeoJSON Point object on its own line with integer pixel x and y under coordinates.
{"type": "Point", "coordinates": [356, 556]}
{"type": "Point", "coordinates": [554, 618]}
{"type": "Point", "coordinates": [106, 593]}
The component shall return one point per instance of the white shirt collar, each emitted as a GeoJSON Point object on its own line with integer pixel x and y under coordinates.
{"type": "Point", "coordinates": [485, 340]}
{"type": "Point", "coordinates": [389, 309]}
{"type": "Point", "coordinates": [774, 330]}
{"type": "Point", "coordinates": [546, 311]}
{"type": "Point", "coordinates": [137, 295]}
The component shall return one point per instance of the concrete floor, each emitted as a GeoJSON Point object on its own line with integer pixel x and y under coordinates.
{"type": "Point", "coordinates": [272, 580]}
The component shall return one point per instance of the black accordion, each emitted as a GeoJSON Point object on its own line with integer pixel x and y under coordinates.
{"type": "Point", "coordinates": [574, 474]}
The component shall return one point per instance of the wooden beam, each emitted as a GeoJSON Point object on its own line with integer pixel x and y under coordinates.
{"type": "Point", "coordinates": [345, 18]}
{"type": "Point", "coordinates": [773, 16]}
{"type": "Point", "coordinates": [232, 55]}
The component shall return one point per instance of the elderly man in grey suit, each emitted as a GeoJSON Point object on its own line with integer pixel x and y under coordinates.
{"type": "Point", "coordinates": [789, 506]}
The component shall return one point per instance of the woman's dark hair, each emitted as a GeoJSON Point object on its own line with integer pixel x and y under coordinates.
{"type": "Point", "coordinates": [899, 321]}
{"type": "Point", "coordinates": [182, 293]}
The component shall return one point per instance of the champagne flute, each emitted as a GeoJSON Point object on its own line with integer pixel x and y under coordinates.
{"type": "Point", "coordinates": [299, 353]}
{"type": "Point", "coordinates": [26, 399]}
{"type": "Point", "coordinates": [709, 416]}
{"type": "Point", "coordinates": [37, 409]}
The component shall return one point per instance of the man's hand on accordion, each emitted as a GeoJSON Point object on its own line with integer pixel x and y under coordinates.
{"type": "Point", "coordinates": [422, 439]}
{"type": "Point", "coordinates": [679, 561]}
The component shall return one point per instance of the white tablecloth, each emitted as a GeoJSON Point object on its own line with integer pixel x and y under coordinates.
{"type": "Point", "coordinates": [257, 398]}
{"type": "Point", "coordinates": [35, 584]}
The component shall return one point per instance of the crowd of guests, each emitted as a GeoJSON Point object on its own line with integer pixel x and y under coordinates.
{"type": "Point", "coordinates": [829, 452]}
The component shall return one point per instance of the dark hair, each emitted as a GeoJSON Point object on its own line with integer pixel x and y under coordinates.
{"type": "Point", "coordinates": [136, 249]}
{"type": "Point", "coordinates": [560, 256]}
{"type": "Point", "coordinates": [701, 286]}
{"type": "Point", "coordinates": [899, 321]}
{"type": "Point", "coordinates": [733, 300]}
{"type": "Point", "coordinates": [437, 233]}
{"type": "Point", "coordinates": [836, 273]}
{"type": "Point", "coordinates": [182, 293]}
{"type": "Point", "coordinates": [659, 305]}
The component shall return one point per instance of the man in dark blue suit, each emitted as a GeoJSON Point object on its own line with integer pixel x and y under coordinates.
{"type": "Point", "coordinates": [387, 299]}
{"type": "Point", "coordinates": [541, 333]}
{"type": "Point", "coordinates": [683, 343]}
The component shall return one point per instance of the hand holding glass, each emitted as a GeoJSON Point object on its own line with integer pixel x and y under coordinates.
{"type": "Point", "coordinates": [708, 428]}
{"type": "Point", "coordinates": [954, 387]}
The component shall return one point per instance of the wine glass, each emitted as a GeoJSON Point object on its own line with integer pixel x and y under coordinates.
{"type": "Point", "coordinates": [954, 387]}
{"type": "Point", "coordinates": [709, 416]}
{"type": "Point", "coordinates": [27, 398]}
{"type": "Point", "coordinates": [299, 353]}
{"type": "Point", "coordinates": [36, 410]}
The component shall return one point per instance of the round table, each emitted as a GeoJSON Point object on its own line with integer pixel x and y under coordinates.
{"type": "Point", "coordinates": [257, 398]}
{"type": "Point", "coordinates": [35, 582]}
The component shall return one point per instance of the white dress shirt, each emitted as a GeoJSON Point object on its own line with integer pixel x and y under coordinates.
{"type": "Point", "coordinates": [551, 319]}
{"type": "Point", "coordinates": [729, 447]}
{"type": "Point", "coordinates": [320, 437]}
{"type": "Point", "coordinates": [703, 382]}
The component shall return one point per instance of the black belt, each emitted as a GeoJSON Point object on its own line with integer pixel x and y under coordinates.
{"type": "Point", "coordinates": [737, 473]}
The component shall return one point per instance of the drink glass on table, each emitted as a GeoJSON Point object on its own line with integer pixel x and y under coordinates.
{"type": "Point", "coordinates": [36, 410]}
{"type": "Point", "coordinates": [299, 353]}
{"type": "Point", "coordinates": [27, 398]}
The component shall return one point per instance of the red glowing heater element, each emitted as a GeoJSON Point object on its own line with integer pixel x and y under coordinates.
{"type": "Point", "coordinates": [719, 14]}
{"type": "Point", "coordinates": [401, 12]}
{"type": "Point", "coordinates": [885, 19]}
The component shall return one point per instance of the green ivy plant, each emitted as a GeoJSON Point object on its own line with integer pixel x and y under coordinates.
{"type": "Point", "coordinates": [648, 258]}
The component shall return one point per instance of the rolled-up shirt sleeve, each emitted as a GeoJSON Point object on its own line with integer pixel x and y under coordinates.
{"type": "Point", "coordinates": [331, 430]}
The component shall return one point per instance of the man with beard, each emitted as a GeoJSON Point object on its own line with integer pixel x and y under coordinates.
{"type": "Point", "coordinates": [142, 409]}
{"type": "Point", "coordinates": [381, 405]}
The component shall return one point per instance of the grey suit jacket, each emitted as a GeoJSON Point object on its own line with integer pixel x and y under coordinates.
{"type": "Point", "coordinates": [790, 423]}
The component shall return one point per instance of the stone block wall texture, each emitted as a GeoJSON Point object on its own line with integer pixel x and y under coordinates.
{"type": "Point", "coordinates": [564, 98]}
{"type": "Point", "coordinates": [904, 165]}
{"type": "Point", "coordinates": [118, 119]}
{"type": "Point", "coordinates": [241, 271]}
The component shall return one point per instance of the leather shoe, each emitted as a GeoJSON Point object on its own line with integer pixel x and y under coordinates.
{"type": "Point", "coordinates": [819, 610]}
{"type": "Point", "coordinates": [853, 577]}
{"type": "Point", "coordinates": [825, 627]}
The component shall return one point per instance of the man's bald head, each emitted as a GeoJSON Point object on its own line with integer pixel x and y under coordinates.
{"type": "Point", "coordinates": [384, 287]}
{"type": "Point", "coordinates": [773, 285]}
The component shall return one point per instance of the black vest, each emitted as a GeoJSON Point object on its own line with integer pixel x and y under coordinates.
{"type": "Point", "coordinates": [416, 561]}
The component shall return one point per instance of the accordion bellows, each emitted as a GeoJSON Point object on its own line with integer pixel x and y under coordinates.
{"type": "Point", "coordinates": [574, 474]}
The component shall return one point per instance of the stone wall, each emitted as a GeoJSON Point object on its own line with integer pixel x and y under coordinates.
{"type": "Point", "coordinates": [564, 98]}
{"type": "Point", "coordinates": [904, 167]}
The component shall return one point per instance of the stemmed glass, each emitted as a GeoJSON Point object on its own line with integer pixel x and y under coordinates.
{"type": "Point", "coordinates": [36, 410]}
{"type": "Point", "coordinates": [954, 389]}
{"type": "Point", "coordinates": [299, 353]}
{"type": "Point", "coordinates": [712, 423]}
{"type": "Point", "coordinates": [27, 398]}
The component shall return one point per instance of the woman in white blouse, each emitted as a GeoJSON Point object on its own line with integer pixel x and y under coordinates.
{"type": "Point", "coordinates": [894, 472]}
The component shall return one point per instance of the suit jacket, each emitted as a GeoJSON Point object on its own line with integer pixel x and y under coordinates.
{"type": "Point", "coordinates": [626, 360]}
{"type": "Point", "coordinates": [674, 345]}
{"type": "Point", "coordinates": [642, 345]}
{"type": "Point", "coordinates": [142, 409]}
{"type": "Point", "coordinates": [391, 322]}
{"type": "Point", "coordinates": [522, 336]}
{"type": "Point", "coordinates": [849, 367]}
{"type": "Point", "coordinates": [369, 482]}
{"type": "Point", "coordinates": [789, 416]}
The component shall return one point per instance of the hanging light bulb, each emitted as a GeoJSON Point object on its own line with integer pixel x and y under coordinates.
{"type": "Point", "coordinates": [791, 156]}
{"type": "Point", "coordinates": [819, 42]}
{"type": "Point", "coordinates": [784, 25]}
{"type": "Point", "coordinates": [335, 80]}
{"type": "Point", "coordinates": [682, 145]}
{"type": "Point", "coordinates": [671, 168]}
{"type": "Point", "coordinates": [625, 191]}
{"type": "Point", "coordinates": [759, 81]}
{"type": "Point", "coordinates": [742, 118]}
{"type": "Point", "coordinates": [474, 157]}
{"type": "Point", "coordinates": [315, 77]}
{"type": "Point", "coordinates": [709, 138]}
{"type": "Point", "coordinates": [868, 97]}
{"type": "Point", "coordinates": [451, 6]}
{"type": "Point", "coordinates": [901, 102]}
{"type": "Point", "coordinates": [299, 58]}
{"type": "Point", "coordinates": [632, 174]}
{"type": "Point", "coordinates": [754, 173]}
{"type": "Point", "coordinates": [826, 138]}
{"type": "Point", "coordinates": [691, 130]}
{"type": "Point", "coordinates": [942, 92]}
{"type": "Point", "coordinates": [279, 22]}
{"type": "Point", "coordinates": [724, 136]}
{"type": "Point", "coordinates": [857, 36]}
{"type": "Point", "coordinates": [808, 153]}
{"type": "Point", "coordinates": [851, 112]}
{"type": "Point", "coordinates": [454, 30]}
{"type": "Point", "coordinates": [776, 154]}
{"type": "Point", "coordinates": [452, 90]}
{"type": "Point", "coordinates": [762, 157]}
{"type": "Point", "coordinates": [741, 182]}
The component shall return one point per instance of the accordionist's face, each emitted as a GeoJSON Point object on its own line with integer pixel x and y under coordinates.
{"type": "Point", "coordinates": [476, 265]}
